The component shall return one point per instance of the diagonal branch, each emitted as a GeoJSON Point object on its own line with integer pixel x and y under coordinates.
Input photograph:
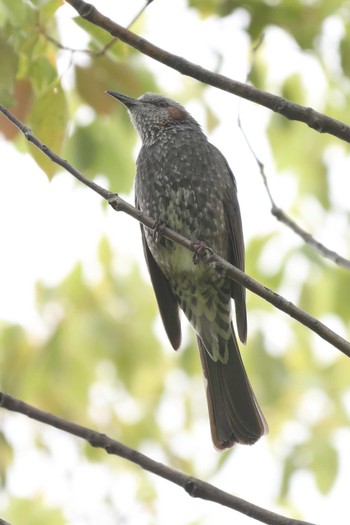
{"type": "Point", "coordinates": [207, 256]}
{"type": "Point", "coordinates": [91, 52]}
{"type": "Point", "coordinates": [281, 215]}
{"type": "Point", "coordinates": [193, 486]}
{"type": "Point", "coordinates": [307, 237]}
{"type": "Point", "coordinates": [318, 121]}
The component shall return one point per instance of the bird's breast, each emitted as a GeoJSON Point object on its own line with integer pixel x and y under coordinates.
{"type": "Point", "coordinates": [177, 184]}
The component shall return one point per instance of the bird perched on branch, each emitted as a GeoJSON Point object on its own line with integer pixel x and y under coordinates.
{"type": "Point", "coordinates": [184, 182]}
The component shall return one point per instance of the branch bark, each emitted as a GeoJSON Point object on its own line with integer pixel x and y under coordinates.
{"type": "Point", "coordinates": [308, 238]}
{"type": "Point", "coordinates": [206, 256]}
{"type": "Point", "coordinates": [282, 216]}
{"type": "Point", "coordinates": [315, 120]}
{"type": "Point", "coordinates": [193, 486]}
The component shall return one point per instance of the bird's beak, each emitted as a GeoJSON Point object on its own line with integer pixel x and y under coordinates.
{"type": "Point", "coordinates": [127, 101]}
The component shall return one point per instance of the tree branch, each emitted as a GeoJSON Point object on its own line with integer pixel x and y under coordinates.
{"type": "Point", "coordinates": [193, 486]}
{"type": "Point", "coordinates": [281, 216]}
{"type": "Point", "coordinates": [90, 52]}
{"type": "Point", "coordinates": [308, 238]}
{"type": "Point", "coordinates": [206, 256]}
{"type": "Point", "coordinates": [318, 121]}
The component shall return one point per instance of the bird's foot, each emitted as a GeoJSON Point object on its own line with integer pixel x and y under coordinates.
{"type": "Point", "coordinates": [158, 229]}
{"type": "Point", "coordinates": [200, 251]}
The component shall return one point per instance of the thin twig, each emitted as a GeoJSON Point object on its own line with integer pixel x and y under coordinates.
{"type": "Point", "coordinates": [208, 257]}
{"type": "Point", "coordinates": [193, 486]}
{"type": "Point", "coordinates": [142, 10]}
{"type": "Point", "coordinates": [285, 219]}
{"type": "Point", "coordinates": [275, 210]}
{"type": "Point", "coordinates": [91, 52]}
{"type": "Point", "coordinates": [314, 119]}
{"type": "Point", "coordinates": [73, 50]}
{"type": "Point", "coordinates": [309, 239]}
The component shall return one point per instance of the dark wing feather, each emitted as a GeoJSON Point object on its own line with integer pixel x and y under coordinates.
{"type": "Point", "coordinates": [168, 306]}
{"type": "Point", "coordinates": [236, 251]}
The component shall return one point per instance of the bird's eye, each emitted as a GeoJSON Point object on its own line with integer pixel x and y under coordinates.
{"type": "Point", "coordinates": [162, 103]}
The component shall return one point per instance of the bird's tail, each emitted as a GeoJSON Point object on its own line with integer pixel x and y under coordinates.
{"type": "Point", "coordinates": [235, 416]}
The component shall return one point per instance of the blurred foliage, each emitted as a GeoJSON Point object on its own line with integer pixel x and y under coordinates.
{"type": "Point", "coordinates": [303, 20]}
{"type": "Point", "coordinates": [99, 362]}
{"type": "Point", "coordinates": [35, 512]}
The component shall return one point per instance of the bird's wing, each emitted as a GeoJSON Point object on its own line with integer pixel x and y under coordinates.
{"type": "Point", "coordinates": [236, 248]}
{"type": "Point", "coordinates": [236, 257]}
{"type": "Point", "coordinates": [168, 306]}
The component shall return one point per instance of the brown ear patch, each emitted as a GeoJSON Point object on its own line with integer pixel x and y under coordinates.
{"type": "Point", "coordinates": [177, 114]}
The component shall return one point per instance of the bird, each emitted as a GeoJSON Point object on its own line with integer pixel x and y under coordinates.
{"type": "Point", "coordinates": [185, 183]}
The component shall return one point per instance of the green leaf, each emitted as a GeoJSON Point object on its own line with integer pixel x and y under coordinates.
{"type": "Point", "coordinates": [49, 7]}
{"type": "Point", "coordinates": [345, 51]}
{"type": "Point", "coordinates": [48, 119]}
{"type": "Point", "coordinates": [33, 512]}
{"type": "Point", "coordinates": [293, 88]}
{"type": "Point", "coordinates": [105, 147]}
{"type": "Point", "coordinates": [326, 292]}
{"type": "Point", "coordinates": [8, 64]}
{"type": "Point", "coordinates": [47, 4]}
{"type": "Point", "coordinates": [298, 148]}
{"type": "Point", "coordinates": [302, 20]}
{"type": "Point", "coordinates": [324, 465]}
{"type": "Point", "coordinates": [98, 34]}
{"type": "Point", "coordinates": [105, 73]}
{"type": "Point", "coordinates": [42, 73]}
{"type": "Point", "coordinates": [16, 11]}
{"type": "Point", "coordinates": [212, 120]}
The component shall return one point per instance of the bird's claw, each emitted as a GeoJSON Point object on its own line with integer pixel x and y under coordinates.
{"type": "Point", "coordinates": [200, 251]}
{"type": "Point", "coordinates": [158, 229]}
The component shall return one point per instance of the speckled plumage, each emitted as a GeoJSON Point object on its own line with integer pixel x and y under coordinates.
{"type": "Point", "coordinates": [185, 182]}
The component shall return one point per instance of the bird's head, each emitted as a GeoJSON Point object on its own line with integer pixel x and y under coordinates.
{"type": "Point", "coordinates": [154, 115]}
